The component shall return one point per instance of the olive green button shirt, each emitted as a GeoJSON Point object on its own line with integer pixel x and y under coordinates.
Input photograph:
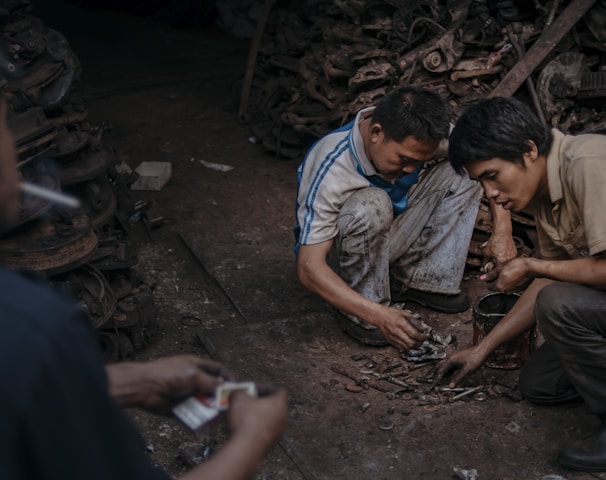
{"type": "Point", "coordinates": [573, 222]}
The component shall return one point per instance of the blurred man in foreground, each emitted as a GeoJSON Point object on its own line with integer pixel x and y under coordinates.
{"type": "Point", "coordinates": [60, 408]}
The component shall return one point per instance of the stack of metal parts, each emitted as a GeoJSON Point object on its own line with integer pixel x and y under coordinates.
{"type": "Point", "coordinates": [318, 65]}
{"type": "Point", "coordinates": [85, 253]}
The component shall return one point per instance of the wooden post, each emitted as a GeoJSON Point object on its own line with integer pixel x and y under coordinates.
{"type": "Point", "coordinates": [252, 58]}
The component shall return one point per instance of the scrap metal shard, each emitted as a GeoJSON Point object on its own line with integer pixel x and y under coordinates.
{"type": "Point", "coordinates": [547, 41]}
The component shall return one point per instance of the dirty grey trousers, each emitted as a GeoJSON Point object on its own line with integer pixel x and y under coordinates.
{"type": "Point", "coordinates": [423, 248]}
{"type": "Point", "coordinates": [572, 361]}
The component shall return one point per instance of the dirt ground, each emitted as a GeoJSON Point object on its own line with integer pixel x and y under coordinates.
{"type": "Point", "coordinates": [225, 283]}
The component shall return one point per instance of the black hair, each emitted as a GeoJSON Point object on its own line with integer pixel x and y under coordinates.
{"type": "Point", "coordinates": [496, 128]}
{"type": "Point", "coordinates": [413, 111]}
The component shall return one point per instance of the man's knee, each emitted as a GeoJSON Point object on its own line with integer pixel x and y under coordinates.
{"type": "Point", "coordinates": [552, 304]}
{"type": "Point", "coordinates": [371, 207]}
{"type": "Point", "coordinates": [543, 380]}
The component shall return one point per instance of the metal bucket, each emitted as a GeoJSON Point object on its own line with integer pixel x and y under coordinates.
{"type": "Point", "coordinates": [488, 310]}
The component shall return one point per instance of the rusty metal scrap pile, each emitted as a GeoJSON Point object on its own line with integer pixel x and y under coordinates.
{"type": "Point", "coordinates": [319, 64]}
{"type": "Point", "coordinates": [87, 252]}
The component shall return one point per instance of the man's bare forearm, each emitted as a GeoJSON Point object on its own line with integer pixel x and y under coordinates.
{"type": "Point", "coordinates": [315, 275]}
{"type": "Point", "coordinates": [590, 271]}
{"type": "Point", "coordinates": [127, 383]}
{"type": "Point", "coordinates": [319, 278]}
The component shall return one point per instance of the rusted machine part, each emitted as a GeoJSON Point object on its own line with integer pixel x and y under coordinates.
{"type": "Point", "coordinates": [69, 142]}
{"type": "Point", "coordinates": [312, 88]}
{"type": "Point", "coordinates": [596, 19]}
{"type": "Point", "coordinates": [56, 149]}
{"type": "Point", "coordinates": [30, 125]}
{"type": "Point", "coordinates": [559, 82]}
{"type": "Point", "coordinates": [476, 246]}
{"type": "Point", "coordinates": [86, 165]}
{"type": "Point", "coordinates": [376, 54]}
{"type": "Point", "coordinates": [50, 70]}
{"type": "Point", "coordinates": [57, 47]}
{"type": "Point", "coordinates": [372, 74]}
{"type": "Point", "coordinates": [366, 99]}
{"type": "Point", "coordinates": [27, 77]}
{"type": "Point", "coordinates": [27, 44]}
{"type": "Point", "coordinates": [520, 50]}
{"type": "Point", "coordinates": [21, 21]}
{"type": "Point", "coordinates": [460, 74]}
{"type": "Point", "coordinates": [349, 33]}
{"type": "Point", "coordinates": [34, 207]}
{"type": "Point", "coordinates": [448, 51]}
{"type": "Point", "coordinates": [314, 126]}
{"type": "Point", "coordinates": [550, 37]}
{"type": "Point", "coordinates": [441, 53]}
{"type": "Point", "coordinates": [52, 246]}
{"type": "Point", "coordinates": [137, 309]}
{"type": "Point", "coordinates": [131, 326]}
{"type": "Point", "coordinates": [37, 135]}
{"type": "Point", "coordinates": [297, 121]}
{"type": "Point", "coordinates": [593, 85]}
{"type": "Point", "coordinates": [484, 218]}
{"type": "Point", "coordinates": [44, 143]}
{"type": "Point", "coordinates": [399, 23]}
{"type": "Point", "coordinates": [122, 281]}
{"type": "Point", "coordinates": [98, 199]}
{"type": "Point", "coordinates": [331, 69]}
{"type": "Point", "coordinates": [57, 144]}
{"type": "Point", "coordinates": [113, 253]}
{"type": "Point", "coordinates": [70, 114]}
{"type": "Point", "coordinates": [99, 214]}
{"type": "Point", "coordinates": [91, 290]}
{"type": "Point", "coordinates": [115, 346]}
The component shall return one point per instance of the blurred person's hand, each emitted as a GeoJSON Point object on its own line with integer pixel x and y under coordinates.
{"type": "Point", "coordinates": [262, 418]}
{"type": "Point", "coordinates": [158, 385]}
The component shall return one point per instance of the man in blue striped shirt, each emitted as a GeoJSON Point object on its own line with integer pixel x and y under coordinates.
{"type": "Point", "coordinates": [400, 228]}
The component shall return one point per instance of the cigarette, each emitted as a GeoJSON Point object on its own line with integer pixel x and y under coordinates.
{"type": "Point", "coordinates": [50, 195]}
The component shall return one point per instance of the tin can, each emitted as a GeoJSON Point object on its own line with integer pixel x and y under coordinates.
{"type": "Point", "coordinates": [488, 310]}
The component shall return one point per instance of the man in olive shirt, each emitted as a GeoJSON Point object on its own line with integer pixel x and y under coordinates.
{"type": "Point", "coordinates": [523, 165]}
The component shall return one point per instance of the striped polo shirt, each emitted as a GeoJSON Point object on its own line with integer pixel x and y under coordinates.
{"type": "Point", "coordinates": [335, 167]}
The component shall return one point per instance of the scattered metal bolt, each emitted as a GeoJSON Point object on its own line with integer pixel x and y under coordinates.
{"type": "Point", "coordinates": [480, 396]}
{"type": "Point", "coordinates": [463, 474]}
{"type": "Point", "coordinates": [468, 392]}
{"type": "Point", "coordinates": [513, 427]}
{"type": "Point", "coordinates": [385, 424]}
